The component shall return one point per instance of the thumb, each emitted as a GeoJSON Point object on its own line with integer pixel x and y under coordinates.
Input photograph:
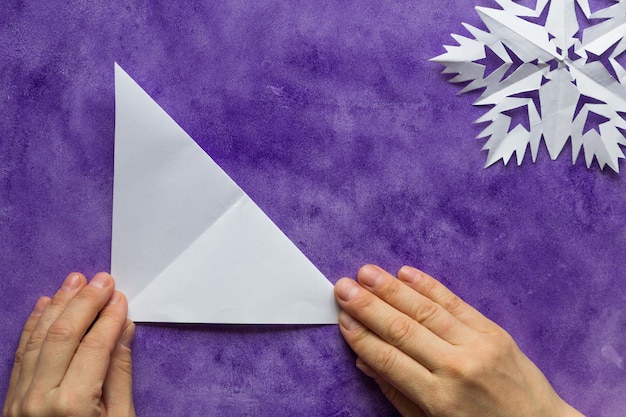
{"type": "Point", "coordinates": [117, 391]}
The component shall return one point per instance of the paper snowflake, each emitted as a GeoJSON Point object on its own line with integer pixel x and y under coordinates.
{"type": "Point", "coordinates": [554, 71]}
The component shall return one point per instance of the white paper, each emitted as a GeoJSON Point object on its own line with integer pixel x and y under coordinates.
{"type": "Point", "coordinates": [559, 64]}
{"type": "Point", "coordinates": [188, 244]}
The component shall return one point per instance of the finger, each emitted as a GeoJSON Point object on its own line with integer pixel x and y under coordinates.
{"type": "Point", "coordinates": [30, 325]}
{"type": "Point", "coordinates": [117, 392]}
{"type": "Point", "coordinates": [437, 292]}
{"type": "Point", "coordinates": [401, 402]}
{"type": "Point", "coordinates": [384, 359]}
{"type": "Point", "coordinates": [71, 286]}
{"type": "Point", "coordinates": [365, 368]}
{"type": "Point", "coordinates": [393, 326]}
{"type": "Point", "coordinates": [92, 359]}
{"type": "Point", "coordinates": [421, 309]}
{"type": "Point", "coordinates": [65, 334]}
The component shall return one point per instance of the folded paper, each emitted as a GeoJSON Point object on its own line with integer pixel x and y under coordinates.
{"type": "Point", "coordinates": [551, 72]}
{"type": "Point", "coordinates": [188, 244]}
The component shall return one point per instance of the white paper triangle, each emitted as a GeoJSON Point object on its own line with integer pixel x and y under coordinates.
{"type": "Point", "coordinates": [188, 244]}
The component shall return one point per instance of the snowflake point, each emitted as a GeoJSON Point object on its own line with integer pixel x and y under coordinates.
{"type": "Point", "coordinates": [519, 117]}
{"type": "Point", "coordinates": [593, 122]}
{"type": "Point", "coordinates": [584, 100]}
{"type": "Point", "coordinates": [491, 61]}
{"type": "Point", "coordinates": [564, 65]}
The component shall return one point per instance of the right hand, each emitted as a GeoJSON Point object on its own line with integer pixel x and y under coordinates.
{"type": "Point", "coordinates": [434, 355]}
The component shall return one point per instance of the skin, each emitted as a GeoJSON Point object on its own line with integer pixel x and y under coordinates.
{"type": "Point", "coordinates": [73, 357]}
{"type": "Point", "coordinates": [431, 353]}
{"type": "Point", "coordinates": [434, 355]}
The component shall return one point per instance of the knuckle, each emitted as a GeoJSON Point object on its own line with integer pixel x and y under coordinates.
{"type": "Point", "coordinates": [428, 286]}
{"type": "Point", "coordinates": [458, 364]}
{"type": "Point", "coordinates": [363, 302]}
{"type": "Point", "coordinates": [399, 331]}
{"type": "Point", "coordinates": [62, 330]}
{"type": "Point", "coordinates": [101, 337]}
{"type": "Point", "coordinates": [424, 311]}
{"type": "Point", "coordinates": [444, 404]}
{"type": "Point", "coordinates": [358, 339]}
{"type": "Point", "coordinates": [460, 368]}
{"type": "Point", "coordinates": [90, 295]}
{"type": "Point", "coordinates": [446, 325]}
{"type": "Point", "coordinates": [18, 357]}
{"type": "Point", "coordinates": [491, 355]}
{"type": "Point", "coordinates": [31, 324]}
{"type": "Point", "coordinates": [472, 369]}
{"type": "Point", "coordinates": [99, 340]}
{"type": "Point", "coordinates": [85, 402]}
{"type": "Point", "coordinates": [58, 302]}
{"type": "Point", "coordinates": [502, 347]}
{"type": "Point", "coordinates": [110, 314]}
{"type": "Point", "coordinates": [93, 341]}
{"type": "Point", "coordinates": [386, 359]}
{"type": "Point", "coordinates": [30, 406]}
{"type": "Point", "coordinates": [454, 304]}
{"type": "Point", "coordinates": [506, 341]}
{"type": "Point", "coordinates": [449, 362]}
{"type": "Point", "coordinates": [391, 288]}
{"type": "Point", "coordinates": [34, 341]}
{"type": "Point", "coordinates": [66, 404]}
{"type": "Point", "coordinates": [475, 372]}
{"type": "Point", "coordinates": [497, 342]}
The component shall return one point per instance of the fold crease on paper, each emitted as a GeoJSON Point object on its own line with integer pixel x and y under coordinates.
{"type": "Point", "coordinates": [188, 245]}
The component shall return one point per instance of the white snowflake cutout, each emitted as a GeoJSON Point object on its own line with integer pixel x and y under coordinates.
{"type": "Point", "coordinates": [551, 72]}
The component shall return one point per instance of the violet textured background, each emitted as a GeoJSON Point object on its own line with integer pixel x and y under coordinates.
{"type": "Point", "coordinates": [330, 116]}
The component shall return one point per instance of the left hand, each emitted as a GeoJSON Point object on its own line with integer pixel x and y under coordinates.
{"type": "Point", "coordinates": [73, 357]}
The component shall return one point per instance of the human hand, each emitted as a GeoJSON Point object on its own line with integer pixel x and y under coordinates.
{"type": "Point", "coordinates": [434, 355]}
{"type": "Point", "coordinates": [73, 357]}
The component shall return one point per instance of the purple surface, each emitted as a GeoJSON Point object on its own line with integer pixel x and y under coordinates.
{"type": "Point", "coordinates": [332, 119]}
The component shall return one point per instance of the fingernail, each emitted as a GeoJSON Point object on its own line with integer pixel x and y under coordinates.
{"type": "Point", "coordinates": [128, 334]}
{"type": "Point", "coordinates": [347, 289]}
{"type": "Point", "coordinates": [361, 368]}
{"type": "Point", "coordinates": [100, 280]}
{"type": "Point", "coordinates": [115, 298]}
{"type": "Point", "coordinates": [347, 322]}
{"type": "Point", "coordinates": [40, 306]}
{"type": "Point", "coordinates": [370, 276]}
{"type": "Point", "coordinates": [409, 275]}
{"type": "Point", "coordinates": [71, 282]}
